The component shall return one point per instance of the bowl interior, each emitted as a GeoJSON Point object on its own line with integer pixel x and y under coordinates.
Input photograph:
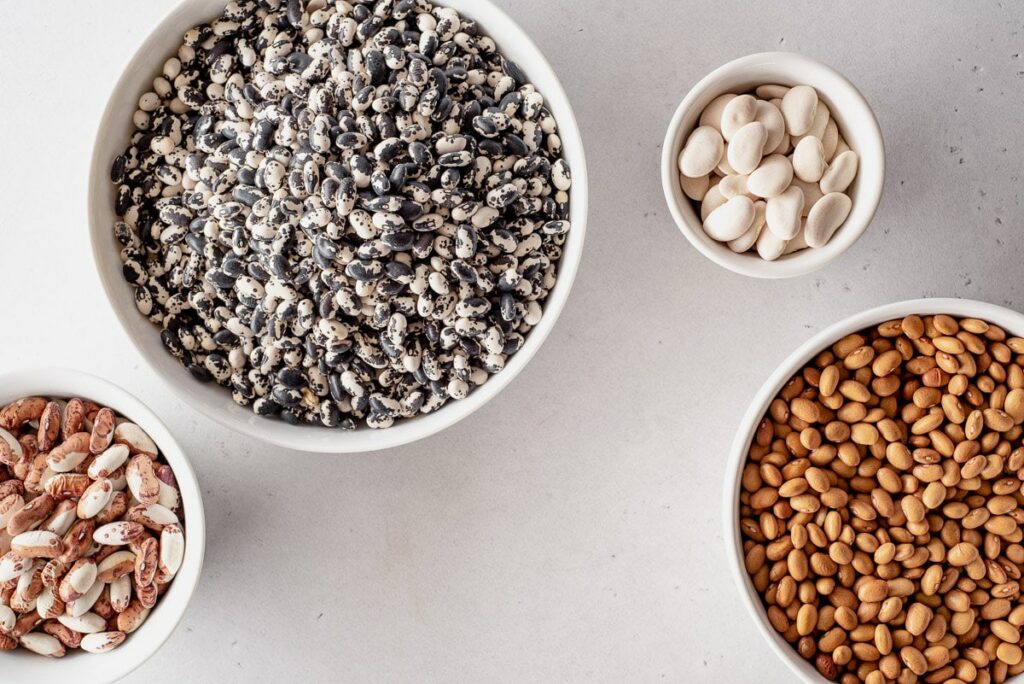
{"type": "Point", "coordinates": [856, 123]}
{"type": "Point", "coordinates": [79, 666]}
{"type": "Point", "coordinates": [214, 401]}
{"type": "Point", "coordinates": [1011, 321]}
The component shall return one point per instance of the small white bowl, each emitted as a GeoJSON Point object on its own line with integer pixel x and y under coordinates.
{"type": "Point", "coordinates": [857, 124]}
{"type": "Point", "coordinates": [87, 668]}
{"type": "Point", "coordinates": [215, 401]}
{"type": "Point", "coordinates": [1011, 321]}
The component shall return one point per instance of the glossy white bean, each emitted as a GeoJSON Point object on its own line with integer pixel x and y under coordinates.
{"type": "Point", "coordinates": [830, 140]}
{"type": "Point", "coordinates": [785, 145]}
{"type": "Point", "coordinates": [840, 174]}
{"type": "Point", "coordinates": [822, 115]}
{"type": "Point", "coordinates": [809, 160]}
{"type": "Point", "coordinates": [739, 112]}
{"type": "Point", "coordinates": [702, 153]}
{"type": "Point", "coordinates": [826, 216]}
{"type": "Point", "coordinates": [744, 242]}
{"type": "Point", "coordinates": [695, 188]}
{"type": "Point", "coordinates": [745, 149]}
{"type": "Point", "coordinates": [771, 117]}
{"type": "Point", "coordinates": [771, 92]}
{"type": "Point", "coordinates": [713, 199]}
{"type": "Point", "coordinates": [799, 106]}
{"type": "Point", "coordinates": [782, 213]}
{"type": "Point", "coordinates": [731, 186]}
{"type": "Point", "coordinates": [796, 244]}
{"type": "Point", "coordinates": [770, 246]}
{"type": "Point", "coordinates": [814, 132]}
{"type": "Point", "coordinates": [712, 114]}
{"type": "Point", "coordinates": [812, 193]}
{"type": "Point", "coordinates": [724, 169]}
{"type": "Point", "coordinates": [772, 177]}
{"type": "Point", "coordinates": [731, 220]}
{"type": "Point", "coordinates": [841, 146]}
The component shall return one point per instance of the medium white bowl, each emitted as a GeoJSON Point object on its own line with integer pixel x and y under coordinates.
{"type": "Point", "coordinates": [214, 401]}
{"type": "Point", "coordinates": [1011, 321]}
{"type": "Point", "coordinates": [856, 122]}
{"type": "Point", "coordinates": [87, 668]}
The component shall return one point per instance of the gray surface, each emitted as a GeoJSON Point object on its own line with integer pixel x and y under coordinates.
{"type": "Point", "coordinates": [571, 530]}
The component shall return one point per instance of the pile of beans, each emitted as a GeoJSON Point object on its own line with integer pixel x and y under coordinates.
{"type": "Point", "coordinates": [345, 212]}
{"type": "Point", "coordinates": [90, 534]}
{"type": "Point", "coordinates": [881, 505]}
{"type": "Point", "coordinates": [770, 170]}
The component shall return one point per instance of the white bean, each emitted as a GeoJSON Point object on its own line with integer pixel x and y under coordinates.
{"type": "Point", "coordinates": [830, 139]}
{"type": "Point", "coordinates": [785, 146]}
{"type": "Point", "coordinates": [809, 160]}
{"type": "Point", "coordinates": [783, 213]}
{"type": "Point", "coordinates": [749, 239]}
{"type": "Point", "coordinates": [796, 244]}
{"type": "Point", "coordinates": [745, 148]}
{"type": "Point", "coordinates": [772, 177]}
{"type": "Point", "coordinates": [799, 107]}
{"type": "Point", "coordinates": [771, 92]}
{"type": "Point", "coordinates": [812, 193]}
{"type": "Point", "coordinates": [695, 188]}
{"type": "Point", "coordinates": [822, 116]}
{"type": "Point", "coordinates": [731, 220]}
{"type": "Point", "coordinates": [770, 246]}
{"type": "Point", "coordinates": [771, 117]}
{"type": "Point", "coordinates": [723, 169]}
{"type": "Point", "coordinates": [739, 112]}
{"type": "Point", "coordinates": [731, 186]}
{"type": "Point", "coordinates": [712, 114]}
{"type": "Point", "coordinates": [825, 218]}
{"type": "Point", "coordinates": [840, 174]}
{"type": "Point", "coordinates": [703, 151]}
{"type": "Point", "coordinates": [713, 199]}
{"type": "Point", "coordinates": [841, 146]}
{"type": "Point", "coordinates": [770, 169]}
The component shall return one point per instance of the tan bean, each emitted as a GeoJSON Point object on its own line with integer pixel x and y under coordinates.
{"type": "Point", "coordinates": [1009, 653]}
{"type": "Point", "coordinates": [882, 507]}
{"type": "Point", "coordinates": [914, 660]}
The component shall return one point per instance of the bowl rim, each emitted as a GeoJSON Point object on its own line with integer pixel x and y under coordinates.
{"type": "Point", "coordinates": [55, 381]}
{"type": "Point", "coordinates": [1011, 321]}
{"type": "Point", "coordinates": [315, 439]}
{"type": "Point", "coordinates": [808, 260]}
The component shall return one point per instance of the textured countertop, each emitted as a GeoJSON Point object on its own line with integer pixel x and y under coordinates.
{"type": "Point", "coordinates": [571, 530]}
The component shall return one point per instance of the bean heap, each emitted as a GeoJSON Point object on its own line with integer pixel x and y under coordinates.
{"type": "Point", "coordinates": [89, 530]}
{"type": "Point", "coordinates": [770, 170]}
{"type": "Point", "coordinates": [344, 211]}
{"type": "Point", "coordinates": [881, 505]}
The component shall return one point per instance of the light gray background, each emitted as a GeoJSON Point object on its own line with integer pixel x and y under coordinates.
{"type": "Point", "coordinates": [571, 530]}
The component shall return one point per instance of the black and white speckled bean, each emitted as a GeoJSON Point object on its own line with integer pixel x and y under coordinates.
{"type": "Point", "coordinates": [350, 215]}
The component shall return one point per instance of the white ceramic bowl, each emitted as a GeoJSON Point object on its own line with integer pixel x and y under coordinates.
{"type": "Point", "coordinates": [86, 668]}
{"type": "Point", "coordinates": [856, 122]}
{"type": "Point", "coordinates": [214, 401]}
{"type": "Point", "coordinates": [1011, 321]}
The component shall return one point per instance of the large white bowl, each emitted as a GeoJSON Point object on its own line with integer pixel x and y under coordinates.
{"type": "Point", "coordinates": [214, 401]}
{"type": "Point", "coordinates": [87, 668]}
{"type": "Point", "coordinates": [1009, 320]}
{"type": "Point", "coordinates": [856, 122]}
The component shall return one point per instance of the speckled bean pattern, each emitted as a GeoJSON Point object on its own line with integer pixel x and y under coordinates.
{"type": "Point", "coordinates": [84, 553]}
{"type": "Point", "coordinates": [346, 213]}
